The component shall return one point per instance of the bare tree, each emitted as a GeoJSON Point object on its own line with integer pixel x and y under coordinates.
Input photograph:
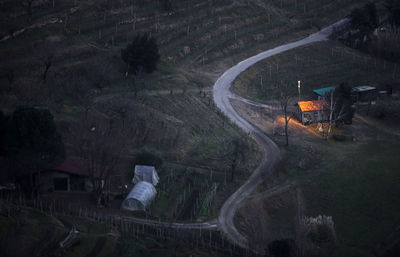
{"type": "Point", "coordinates": [28, 5]}
{"type": "Point", "coordinates": [100, 142]}
{"type": "Point", "coordinates": [284, 96]}
{"type": "Point", "coordinates": [46, 55]}
{"type": "Point", "coordinates": [138, 79]}
{"type": "Point", "coordinates": [9, 74]}
{"type": "Point", "coordinates": [233, 153]}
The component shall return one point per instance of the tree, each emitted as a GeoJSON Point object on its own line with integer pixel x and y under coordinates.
{"type": "Point", "coordinates": [28, 4]}
{"type": "Point", "coordinates": [393, 8]}
{"type": "Point", "coordinates": [167, 5]}
{"type": "Point", "coordinates": [145, 157]}
{"type": "Point", "coordinates": [339, 102]}
{"type": "Point", "coordinates": [284, 96]}
{"type": "Point", "coordinates": [141, 54]}
{"type": "Point", "coordinates": [32, 141]}
{"type": "Point", "coordinates": [100, 142]}
{"type": "Point", "coordinates": [364, 19]}
{"type": "Point", "coordinates": [233, 154]}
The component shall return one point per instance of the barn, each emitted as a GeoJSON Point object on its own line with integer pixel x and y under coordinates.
{"type": "Point", "coordinates": [71, 175]}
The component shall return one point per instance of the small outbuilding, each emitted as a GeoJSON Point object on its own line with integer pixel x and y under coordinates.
{"type": "Point", "coordinates": [145, 173]}
{"type": "Point", "coordinates": [364, 94]}
{"type": "Point", "coordinates": [140, 197]}
{"type": "Point", "coordinates": [312, 111]}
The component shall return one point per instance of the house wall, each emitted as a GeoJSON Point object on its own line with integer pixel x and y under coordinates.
{"type": "Point", "coordinates": [45, 180]}
{"type": "Point", "coordinates": [314, 117]}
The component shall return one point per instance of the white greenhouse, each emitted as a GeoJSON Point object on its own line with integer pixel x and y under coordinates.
{"type": "Point", "coordinates": [145, 173]}
{"type": "Point", "coordinates": [140, 197]}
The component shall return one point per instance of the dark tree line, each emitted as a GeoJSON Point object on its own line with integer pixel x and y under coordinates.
{"type": "Point", "coordinates": [29, 142]}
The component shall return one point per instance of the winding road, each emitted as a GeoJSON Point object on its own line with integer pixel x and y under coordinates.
{"type": "Point", "coordinates": [270, 150]}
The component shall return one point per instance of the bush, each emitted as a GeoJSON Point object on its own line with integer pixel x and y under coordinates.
{"type": "Point", "coordinates": [147, 158]}
{"type": "Point", "coordinates": [141, 55]}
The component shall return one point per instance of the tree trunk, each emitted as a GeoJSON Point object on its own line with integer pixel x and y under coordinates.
{"type": "Point", "coordinates": [330, 118]}
{"type": "Point", "coordinates": [286, 127]}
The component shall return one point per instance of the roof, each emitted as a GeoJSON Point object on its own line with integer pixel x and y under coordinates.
{"type": "Point", "coordinates": [362, 88]}
{"type": "Point", "coordinates": [145, 173]}
{"type": "Point", "coordinates": [74, 166]}
{"type": "Point", "coordinates": [323, 91]}
{"type": "Point", "coordinates": [140, 197]}
{"type": "Point", "coordinates": [316, 105]}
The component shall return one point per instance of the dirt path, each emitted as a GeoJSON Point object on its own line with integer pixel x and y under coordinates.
{"type": "Point", "coordinates": [271, 154]}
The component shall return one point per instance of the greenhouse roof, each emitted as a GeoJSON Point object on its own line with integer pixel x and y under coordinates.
{"type": "Point", "coordinates": [140, 197]}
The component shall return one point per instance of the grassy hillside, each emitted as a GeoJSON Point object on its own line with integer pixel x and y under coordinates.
{"type": "Point", "coordinates": [173, 114]}
{"type": "Point", "coordinates": [352, 181]}
{"type": "Point", "coordinates": [27, 232]}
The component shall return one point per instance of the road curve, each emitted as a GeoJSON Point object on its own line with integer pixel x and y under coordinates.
{"type": "Point", "coordinates": [270, 150]}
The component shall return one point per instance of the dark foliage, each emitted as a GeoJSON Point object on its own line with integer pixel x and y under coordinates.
{"type": "Point", "coordinates": [364, 19]}
{"type": "Point", "coordinates": [167, 5]}
{"type": "Point", "coordinates": [343, 102]}
{"type": "Point", "coordinates": [142, 54]}
{"type": "Point", "coordinates": [31, 140]}
{"type": "Point", "coordinates": [393, 8]}
{"type": "Point", "coordinates": [147, 158]}
{"type": "Point", "coordinates": [280, 248]}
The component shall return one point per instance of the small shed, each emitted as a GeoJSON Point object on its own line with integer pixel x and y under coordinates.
{"type": "Point", "coordinates": [363, 94]}
{"type": "Point", "coordinates": [140, 197]}
{"type": "Point", "coordinates": [312, 111]}
{"type": "Point", "coordinates": [321, 92]}
{"type": "Point", "coordinates": [145, 173]}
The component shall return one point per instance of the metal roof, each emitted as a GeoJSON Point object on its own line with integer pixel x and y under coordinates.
{"type": "Point", "coordinates": [362, 88]}
{"type": "Point", "coordinates": [140, 197]}
{"type": "Point", "coordinates": [316, 105]}
{"type": "Point", "coordinates": [323, 91]}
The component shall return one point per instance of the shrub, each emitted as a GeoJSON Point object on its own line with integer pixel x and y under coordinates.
{"type": "Point", "coordinates": [147, 158]}
{"type": "Point", "coordinates": [141, 55]}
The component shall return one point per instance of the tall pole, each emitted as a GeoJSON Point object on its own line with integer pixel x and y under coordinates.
{"type": "Point", "coordinates": [298, 88]}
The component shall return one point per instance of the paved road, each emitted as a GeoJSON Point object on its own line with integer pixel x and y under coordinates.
{"type": "Point", "coordinates": [212, 224]}
{"type": "Point", "coordinates": [270, 151]}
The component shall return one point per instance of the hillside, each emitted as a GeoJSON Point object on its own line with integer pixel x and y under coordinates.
{"type": "Point", "coordinates": [66, 56]}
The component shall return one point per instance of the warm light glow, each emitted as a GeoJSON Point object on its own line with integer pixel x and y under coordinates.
{"type": "Point", "coordinates": [298, 84]}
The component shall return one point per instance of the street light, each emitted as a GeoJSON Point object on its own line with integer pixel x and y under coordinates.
{"type": "Point", "coordinates": [298, 88]}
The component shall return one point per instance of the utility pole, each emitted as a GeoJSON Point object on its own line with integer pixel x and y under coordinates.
{"type": "Point", "coordinates": [298, 87]}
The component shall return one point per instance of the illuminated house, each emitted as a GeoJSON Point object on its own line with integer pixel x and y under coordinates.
{"type": "Point", "coordinates": [312, 111]}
